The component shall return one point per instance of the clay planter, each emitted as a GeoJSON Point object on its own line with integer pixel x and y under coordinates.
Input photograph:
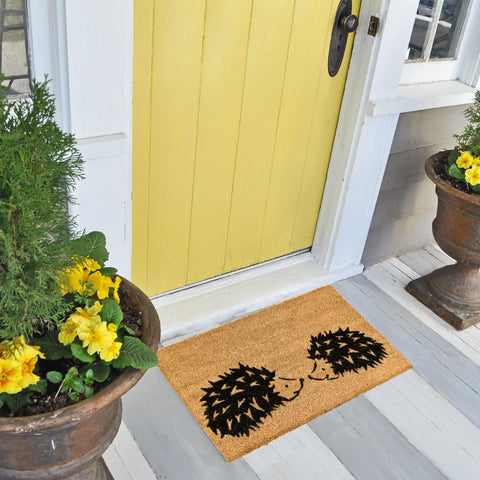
{"type": "Point", "coordinates": [453, 292]}
{"type": "Point", "coordinates": [68, 443]}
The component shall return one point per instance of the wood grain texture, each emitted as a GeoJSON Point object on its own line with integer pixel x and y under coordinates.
{"type": "Point", "coordinates": [375, 450]}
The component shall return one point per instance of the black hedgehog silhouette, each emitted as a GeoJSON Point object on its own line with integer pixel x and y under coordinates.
{"type": "Point", "coordinates": [242, 398]}
{"type": "Point", "coordinates": [343, 351]}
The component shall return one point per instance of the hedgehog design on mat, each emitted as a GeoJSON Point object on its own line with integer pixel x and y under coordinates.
{"type": "Point", "coordinates": [242, 398]}
{"type": "Point", "coordinates": [335, 353]}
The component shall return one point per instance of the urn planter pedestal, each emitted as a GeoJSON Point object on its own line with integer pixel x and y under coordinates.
{"type": "Point", "coordinates": [68, 443]}
{"type": "Point", "coordinates": [453, 292]}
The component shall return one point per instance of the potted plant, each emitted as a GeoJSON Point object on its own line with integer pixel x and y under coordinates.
{"type": "Point", "coordinates": [453, 292]}
{"type": "Point", "coordinates": [74, 336]}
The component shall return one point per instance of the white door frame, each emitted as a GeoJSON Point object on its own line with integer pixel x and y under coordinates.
{"type": "Point", "coordinates": [360, 151]}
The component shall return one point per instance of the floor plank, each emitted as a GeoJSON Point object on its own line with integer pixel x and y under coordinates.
{"type": "Point", "coordinates": [370, 446]}
{"type": "Point", "coordinates": [173, 442]}
{"type": "Point", "coordinates": [430, 423]}
{"type": "Point", "coordinates": [298, 454]}
{"type": "Point", "coordinates": [434, 358]}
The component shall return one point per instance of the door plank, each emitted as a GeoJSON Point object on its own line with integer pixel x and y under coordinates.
{"type": "Point", "coordinates": [264, 80]}
{"type": "Point", "coordinates": [178, 46]}
{"type": "Point", "coordinates": [223, 74]}
{"type": "Point", "coordinates": [321, 135]}
{"type": "Point", "coordinates": [306, 63]}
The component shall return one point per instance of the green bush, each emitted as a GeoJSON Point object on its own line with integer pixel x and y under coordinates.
{"type": "Point", "coordinates": [39, 165]}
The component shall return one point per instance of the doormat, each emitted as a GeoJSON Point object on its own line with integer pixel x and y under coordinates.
{"type": "Point", "coordinates": [261, 376]}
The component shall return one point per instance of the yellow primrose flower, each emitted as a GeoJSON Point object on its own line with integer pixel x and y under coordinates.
{"type": "Point", "coordinates": [465, 160]}
{"type": "Point", "coordinates": [68, 330]}
{"type": "Point", "coordinates": [90, 264]}
{"type": "Point", "coordinates": [115, 289]}
{"type": "Point", "coordinates": [111, 352]}
{"type": "Point", "coordinates": [96, 338]}
{"type": "Point", "coordinates": [476, 162]}
{"type": "Point", "coordinates": [101, 285]}
{"type": "Point", "coordinates": [76, 280]}
{"type": "Point", "coordinates": [27, 359]}
{"type": "Point", "coordinates": [472, 175]}
{"type": "Point", "coordinates": [9, 376]}
{"type": "Point", "coordinates": [81, 319]}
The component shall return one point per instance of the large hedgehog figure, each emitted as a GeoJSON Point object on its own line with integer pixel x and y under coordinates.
{"type": "Point", "coordinates": [343, 351]}
{"type": "Point", "coordinates": [238, 402]}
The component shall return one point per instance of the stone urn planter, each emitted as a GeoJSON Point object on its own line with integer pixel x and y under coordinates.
{"type": "Point", "coordinates": [68, 443]}
{"type": "Point", "coordinates": [453, 292]}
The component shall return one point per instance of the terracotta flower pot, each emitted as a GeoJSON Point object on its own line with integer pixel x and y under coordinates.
{"type": "Point", "coordinates": [453, 292]}
{"type": "Point", "coordinates": [68, 443]}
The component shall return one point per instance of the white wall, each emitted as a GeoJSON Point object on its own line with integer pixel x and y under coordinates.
{"type": "Point", "coordinates": [407, 203]}
{"type": "Point", "coordinates": [86, 49]}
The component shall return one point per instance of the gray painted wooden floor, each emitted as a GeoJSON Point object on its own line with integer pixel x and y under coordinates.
{"type": "Point", "coordinates": [422, 425]}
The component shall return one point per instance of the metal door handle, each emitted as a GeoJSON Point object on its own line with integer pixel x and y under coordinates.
{"type": "Point", "coordinates": [345, 23]}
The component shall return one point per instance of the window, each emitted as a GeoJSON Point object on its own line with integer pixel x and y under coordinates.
{"type": "Point", "coordinates": [14, 59]}
{"type": "Point", "coordinates": [436, 41]}
{"type": "Point", "coordinates": [437, 30]}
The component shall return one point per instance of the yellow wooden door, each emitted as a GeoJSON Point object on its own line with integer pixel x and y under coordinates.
{"type": "Point", "coordinates": [234, 115]}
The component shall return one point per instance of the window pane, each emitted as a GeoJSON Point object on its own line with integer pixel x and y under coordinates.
{"type": "Point", "coordinates": [437, 29]}
{"type": "Point", "coordinates": [14, 62]}
{"type": "Point", "coordinates": [447, 37]}
{"type": "Point", "coordinates": [419, 33]}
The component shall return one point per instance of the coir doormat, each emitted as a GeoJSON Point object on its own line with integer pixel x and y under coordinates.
{"type": "Point", "coordinates": [258, 377]}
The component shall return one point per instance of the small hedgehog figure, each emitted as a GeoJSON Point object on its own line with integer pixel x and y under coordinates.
{"type": "Point", "coordinates": [238, 402]}
{"type": "Point", "coordinates": [343, 351]}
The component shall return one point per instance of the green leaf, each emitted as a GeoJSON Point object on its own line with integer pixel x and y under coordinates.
{"type": "Point", "coordinates": [88, 392]}
{"type": "Point", "coordinates": [475, 188]}
{"type": "Point", "coordinates": [108, 271]}
{"type": "Point", "coordinates": [19, 400]}
{"type": "Point", "coordinates": [74, 396]}
{"type": "Point", "coordinates": [2, 399]}
{"type": "Point", "coordinates": [78, 385]}
{"type": "Point", "coordinates": [111, 312]}
{"type": "Point", "coordinates": [52, 348]}
{"type": "Point", "coordinates": [39, 387]}
{"type": "Point", "coordinates": [81, 353]}
{"type": "Point", "coordinates": [455, 172]}
{"type": "Point", "coordinates": [101, 372]}
{"type": "Point", "coordinates": [54, 377]}
{"type": "Point", "coordinates": [127, 329]}
{"type": "Point", "coordinates": [452, 158]}
{"type": "Point", "coordinates": [92, 245]}
{"type": "Point", "coordinates": [136, 354]}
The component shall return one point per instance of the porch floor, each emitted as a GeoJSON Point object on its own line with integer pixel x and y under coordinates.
{"type": "Point", "coordinates": [423, 424]}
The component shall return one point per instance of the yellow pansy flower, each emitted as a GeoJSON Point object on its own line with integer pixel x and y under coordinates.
{"type": "Point", "coordinates": [472, 175]}
{"type": "Point", "coordinates": [465, 160]}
